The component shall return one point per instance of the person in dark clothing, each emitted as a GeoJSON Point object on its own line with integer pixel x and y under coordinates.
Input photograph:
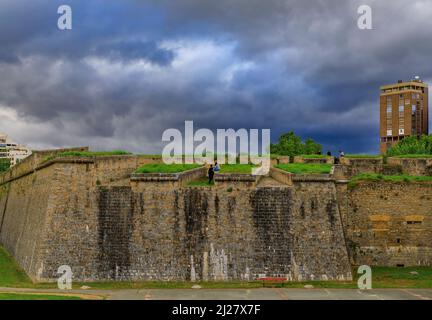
{"type": "Point", "coordinates": [210, 174]}
{"type": "Point", "coordinates": [329, 153]}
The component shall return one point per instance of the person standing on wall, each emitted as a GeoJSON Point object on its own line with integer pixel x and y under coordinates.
{"type": "Point", "coordinates": [210, 174]}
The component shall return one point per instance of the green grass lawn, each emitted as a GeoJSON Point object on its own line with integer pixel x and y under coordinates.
{"type": "Point", "coordinates": [413, 156]}
{"type": "Point", "coordinates": [166, 168]}
{"type": "Point", "coordinates": [25, 296]}
{"type": "Point", "coordinates": [389, 178]}
{"type": "Point", "coordinates": [314, 156]}
{"type": "Point", "coordinates": [237, 168]}
{"type": "Point", "coordinates": [394, 277]}
{"type": "Point", "coordinates": [92, 153]}
{"type": "Point", "coordinates": [305, 168]}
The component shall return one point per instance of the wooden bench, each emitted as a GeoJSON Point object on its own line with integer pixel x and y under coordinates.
{"type": "Point", "coordinates": [272, 282]}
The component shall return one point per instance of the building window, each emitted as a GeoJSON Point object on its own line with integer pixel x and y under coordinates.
{"type": "Point", "coordinates": [414, 222]}
{"type": "Point", "coordinates": [401, 120]}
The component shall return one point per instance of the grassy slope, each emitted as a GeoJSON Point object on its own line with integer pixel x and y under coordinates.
{"type": "Point", "coordinates": [201, 182]}
{"type": "Point", "coordinates": [237, 168]}
{"type": "Point", "coordinates": [305, 168]}
{"type": "Point", "coordinates": [11, 275]}
{"type": "Point", "coordinates": [21, 296]}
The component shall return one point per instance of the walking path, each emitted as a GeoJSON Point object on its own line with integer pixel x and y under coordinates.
{"type": "Point", "coordinates": [239, 294]}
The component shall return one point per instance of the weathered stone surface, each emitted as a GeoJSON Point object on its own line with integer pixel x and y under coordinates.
{"type": "Point", "coordinates": [388, 223]}
{"type": "Point", "coordinates": [87, 214]}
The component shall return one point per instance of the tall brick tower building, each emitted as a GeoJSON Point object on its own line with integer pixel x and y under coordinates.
{"type": "Point", "coordinates": [403, 111]}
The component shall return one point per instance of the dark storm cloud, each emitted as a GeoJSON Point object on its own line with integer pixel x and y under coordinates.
{"type": "Point", "coordinates": [130, 69]}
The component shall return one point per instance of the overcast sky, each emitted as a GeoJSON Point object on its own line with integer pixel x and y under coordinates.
{"type": "Point", "coordinates": [130, 69]}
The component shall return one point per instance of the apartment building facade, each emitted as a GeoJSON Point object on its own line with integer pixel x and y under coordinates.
{"type": "Point", "coordinates": [404, 111]}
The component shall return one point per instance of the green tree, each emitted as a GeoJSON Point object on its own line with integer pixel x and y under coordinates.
{"type": "Point", "coordinates": [311, 147]}
{"type": "Point", "coordinates": [291, 145]}
{"type": "Point", "coordinates": [412, 145]}
{"type": "Point", "coordinates": [4, 164]}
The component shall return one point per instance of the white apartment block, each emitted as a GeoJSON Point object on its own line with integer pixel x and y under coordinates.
{"type": "Point", "coordinates": [12, 151]}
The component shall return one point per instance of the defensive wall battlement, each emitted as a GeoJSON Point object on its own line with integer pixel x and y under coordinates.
{"type": "Point", "coordinates": [95, 215]}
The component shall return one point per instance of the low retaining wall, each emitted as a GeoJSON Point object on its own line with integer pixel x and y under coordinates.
{"type": "Point", "coordinates": [279, 160]}
{"type": "Point", "coordinates": [300, 159]}
{"type": "Point", "coordinates": [362, 165]}
{"type": "Point", "coordinates": [175, 179]}
{"type": "Point", "coordinates": [413, 166]}
{"type": "Point", "coordinates": [281, 176]}
{"type": "Point", "coordinates": [312, 178]}
{"type": "Point", "coordinates": [226, 180]}
{"type": "Point", "coordinates": [32, 162]}
{"type": "Point", "coordinates": [105, 170]}
{"type": "Point", "coordinates": [350, 167]}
